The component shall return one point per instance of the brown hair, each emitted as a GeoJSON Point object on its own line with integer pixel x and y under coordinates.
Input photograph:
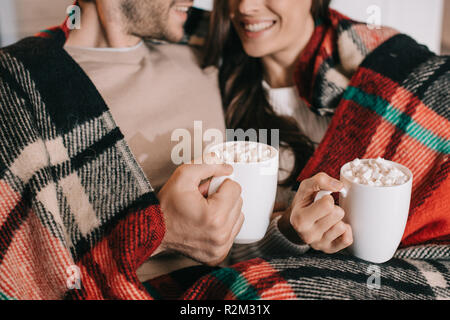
{"type": "Point", "coordinates": [244, 99]}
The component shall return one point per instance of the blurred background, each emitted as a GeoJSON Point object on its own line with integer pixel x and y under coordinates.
{"type": "Point", "coordinates": [428, 21]}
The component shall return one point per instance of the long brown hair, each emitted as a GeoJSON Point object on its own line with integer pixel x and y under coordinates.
{"type": "Point", "coordinates": [241, 84]}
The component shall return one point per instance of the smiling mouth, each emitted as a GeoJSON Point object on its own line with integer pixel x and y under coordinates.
{"type": "Point", "coordinates": [258, 27]}
{"type": "Point", "coordinates": [183, 7]}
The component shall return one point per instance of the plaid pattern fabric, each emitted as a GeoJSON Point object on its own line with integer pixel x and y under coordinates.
{"type": "Point", "coordinates": [390, 98]}
{"type": "Point", "coordinates": [71, 192]}
{"type": "Point", "coordinates": [418, 272]}
{"type": "Point", "coordinates": [320, 276]}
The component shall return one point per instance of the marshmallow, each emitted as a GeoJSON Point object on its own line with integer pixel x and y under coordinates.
{"type": "Point", "coordinates": [243, 152]}
{"type": "Point", "coordinates": [375, 172]}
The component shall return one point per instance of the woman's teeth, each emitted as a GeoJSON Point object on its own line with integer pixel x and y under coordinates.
{"type": "Point", "coordinates": [256, 27]}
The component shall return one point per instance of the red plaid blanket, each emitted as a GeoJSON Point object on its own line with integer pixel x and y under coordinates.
{"type": "Point", "coordinates": [395, 105]}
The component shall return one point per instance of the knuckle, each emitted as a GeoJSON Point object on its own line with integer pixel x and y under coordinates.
{"type": "Point", "coordinates": [214, 261]}
{"type": "Point", "coordinates": [318, 247]}
{"type": "Point", "coordinates": [239, 222]}
{"type": "Point", "coordinates": [219, 238]}
{"type": "Point", "coordinates": [214, 254]}
{"type": "Point", "coordinates": [339, 212]}
{"type": "Point", "coordinates": [211, 263]}
{"type": "Point", "coordinates": [323, 248]}
{"type": "Point", "coordinates": [347, 239]}
{"type": "Point", "coordinates": [182, 169]}
{"type": "Point", "coordinates": [327, 202]}
{"type": "Point", "coordinates": [177, 173]}
{"type": "Point", "coordinates": [217, 227]}
{"type": "Point", "coordinates": [215, 223]}
{"type": "Point", "coordinates": [241, 218]}
{"type": "Point", "coordinates": [222, 239]}
{"type": "Point", "coordinates": [329, 250]}
{"type": "Point", "coordinates": [303, 184]}
{"type": "Point", "coordinates": [240, 203]}
{"type": "Point", "coordinates": [340, 228]}
{"type": "Point", "coordinates": [238, 187]}
{"type": "Point", "coordinates": [234, 186]}
{"type": "Point", "coordinates": [321, 177]}
{"type": "Point", "coordinates": [299, 223]}
{"type": "Point", "coordinates": [308, 238]}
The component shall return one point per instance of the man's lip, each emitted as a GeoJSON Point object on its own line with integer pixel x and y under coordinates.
{"type": "Point", "coordinates": [183, 3]}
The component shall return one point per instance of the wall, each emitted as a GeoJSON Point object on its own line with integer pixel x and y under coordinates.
{"type": "Point", "coordinates": [21, 18]}
{"type": "Point", "coordinates": [8, 28]}
{"type": "Point", "coordinates": [422, 19]}
{"type": "Point", "coordinates": [446, 29]}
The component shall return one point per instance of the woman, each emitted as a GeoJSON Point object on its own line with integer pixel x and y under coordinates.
{"type": "Point", "coordinates": [337, 90]}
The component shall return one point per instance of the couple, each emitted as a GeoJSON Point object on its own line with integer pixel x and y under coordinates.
{"type": "Point", "coordinates": [75, 188]}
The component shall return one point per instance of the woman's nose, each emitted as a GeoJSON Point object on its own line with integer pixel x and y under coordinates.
{"type": "Point", "coordinates": [249, 6]}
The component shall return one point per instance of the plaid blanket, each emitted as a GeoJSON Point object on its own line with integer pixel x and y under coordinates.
{"type": "Point", "coordinates": [78, 216]}
{"type": "Point", "coordinates": [389, 98]}
{"type": "Point", "coordinates": [74, 203]}
{"type": "Point", "coordinates": [315, 276]}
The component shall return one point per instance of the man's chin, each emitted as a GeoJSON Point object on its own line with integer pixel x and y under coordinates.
{"type": "Point", "coordinates": [167, 37]}
{"type": "Point", "coordinates": [174, 36]}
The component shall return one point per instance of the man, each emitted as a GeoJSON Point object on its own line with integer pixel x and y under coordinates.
{"type": "Point", "coordinates": [151, 90]}
{"type": "Point", "coordinates": [73, 193]}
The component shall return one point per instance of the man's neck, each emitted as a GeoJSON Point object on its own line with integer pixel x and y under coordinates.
{"type": "Point", "coordinates": [100, 28]}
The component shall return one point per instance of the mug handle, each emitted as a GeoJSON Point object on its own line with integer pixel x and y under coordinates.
{"type": "Point", "coordinates": [323, 193]}
{"type": "Point", "coordinates": [216, 182]}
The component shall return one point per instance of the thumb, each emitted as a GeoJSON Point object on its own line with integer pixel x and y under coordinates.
{"type": "Point", "coordinates": [320, 181]}
{"type": "Point", "coordinates": [309, 187]}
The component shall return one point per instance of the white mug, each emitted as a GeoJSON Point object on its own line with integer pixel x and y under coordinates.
{"type": "Point", "coordinates": [377, 215]}
{"type": "Point", "coordinates": [258, 181]}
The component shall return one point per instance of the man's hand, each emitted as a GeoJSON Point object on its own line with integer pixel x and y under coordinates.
{"type": "Point", "coordinates": [201, 228]}
{"type": "Point", "coordinates": [318, 224]}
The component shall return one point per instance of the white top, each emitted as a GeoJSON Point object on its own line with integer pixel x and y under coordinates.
{"type": "Point", "coordinates": [286, 101]}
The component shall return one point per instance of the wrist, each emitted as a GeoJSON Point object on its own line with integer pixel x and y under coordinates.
{"type": "Point", "coordinates": [286, 228]}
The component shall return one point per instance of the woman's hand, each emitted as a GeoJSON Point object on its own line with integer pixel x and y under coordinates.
{"type": "Point", "coordinates": [318, 224]}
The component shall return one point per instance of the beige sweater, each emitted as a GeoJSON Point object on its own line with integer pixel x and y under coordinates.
{"type": "Point", "coordinates": [151, 91]}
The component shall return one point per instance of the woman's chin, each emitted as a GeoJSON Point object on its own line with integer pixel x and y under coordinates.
{"type": "Point", "coordinates": [256, 52]}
